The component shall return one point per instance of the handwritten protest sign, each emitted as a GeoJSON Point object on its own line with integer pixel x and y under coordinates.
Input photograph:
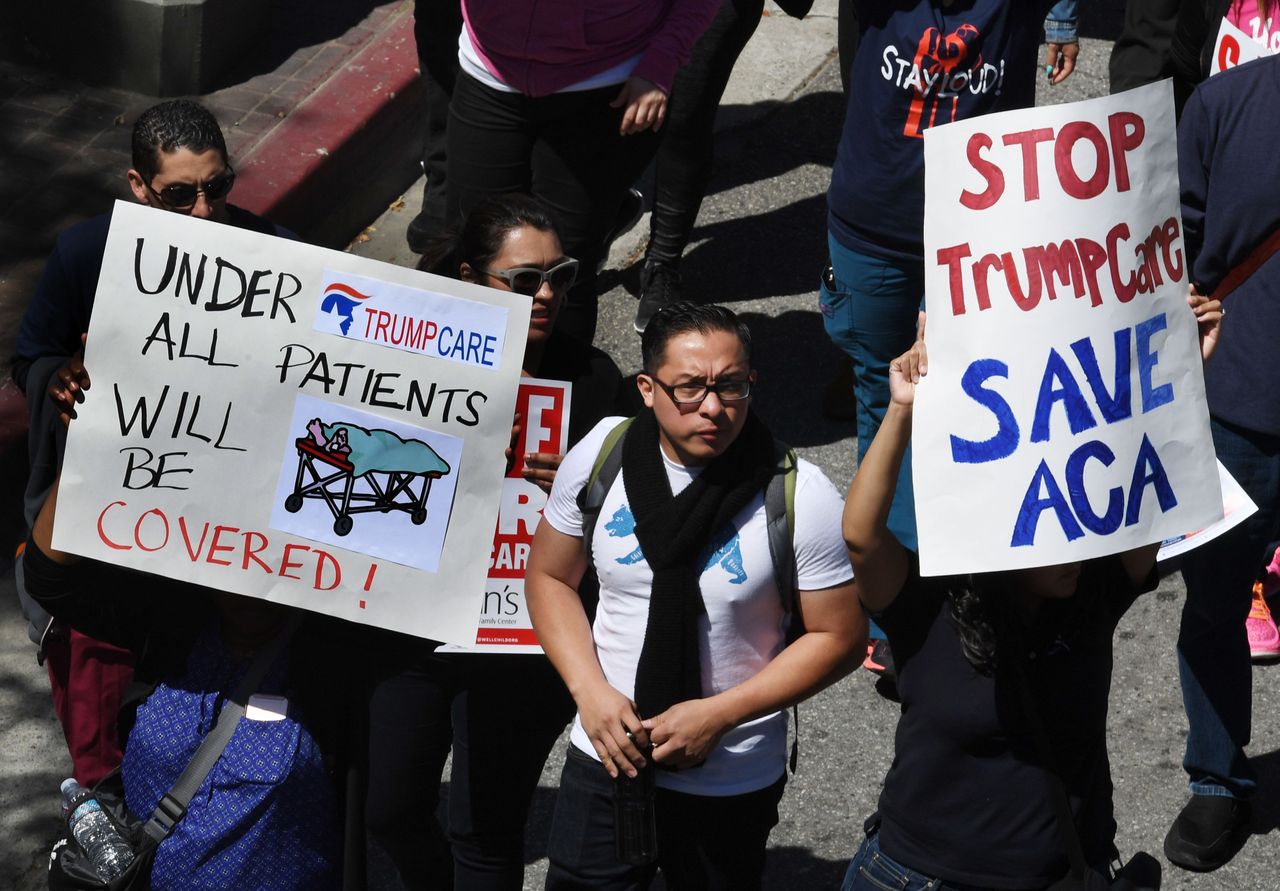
{"type": "Point", "coordinates": [1064, 413]}
{"type": "Point", "coordinates": [504, 625]}
{"type": "Point", "coordinates": [1235, 47]}
{"type": "Point", "coordinates": [293, 423]}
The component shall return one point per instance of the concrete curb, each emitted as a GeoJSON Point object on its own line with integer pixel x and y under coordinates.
{"type": "Point", "coordinates": [362, 126]}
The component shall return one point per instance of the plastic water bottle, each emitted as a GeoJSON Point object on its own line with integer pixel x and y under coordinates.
{"type": "Point", "coordinates": [93, 830]}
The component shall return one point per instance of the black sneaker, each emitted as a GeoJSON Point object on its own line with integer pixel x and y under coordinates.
{"type": "Point", "coordinates": [1207, 833]}
{"type": "Point", "coordinates": [629, 213]}
{"type": "Point", "coordinates": [659, 287]}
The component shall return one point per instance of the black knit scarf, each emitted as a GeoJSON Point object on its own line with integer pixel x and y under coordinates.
{"type": "Point", "coordinates": [674, 533]}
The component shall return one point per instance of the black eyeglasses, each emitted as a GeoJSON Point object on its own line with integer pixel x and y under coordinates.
{"type": "Point", "coordinates": [694, 392]}
{"type": "Point", "coordinates": [180, 196]}
{"type": "Point", "coordinates": [528, 280]}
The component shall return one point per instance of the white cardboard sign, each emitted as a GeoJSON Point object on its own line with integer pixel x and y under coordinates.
{"type": "Point", "coordinates": [234, 436]}
{"type": "Point", "coordinates": [1235, 47]}
{"type": "Point", "coordinates": [1064, 414]}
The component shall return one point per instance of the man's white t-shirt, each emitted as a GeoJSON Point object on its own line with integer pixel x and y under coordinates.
{"type": "Point", "coordinates": [742, 629]}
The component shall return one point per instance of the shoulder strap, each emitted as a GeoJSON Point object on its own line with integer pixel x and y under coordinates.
{"type": "Point", "coordinates": [780, 514]}
{"type": "Point", "coordinates": [173, 805]}
{"type": "Point", "coordinates": [604, 471]}
{"type": "Point", "coordinates": [1248, 266]}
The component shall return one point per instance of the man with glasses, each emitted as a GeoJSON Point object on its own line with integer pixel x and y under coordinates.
{"type": "Point", "coordinates": [683, 678]}
{"type": "Point", "coordinates": [179, 165]}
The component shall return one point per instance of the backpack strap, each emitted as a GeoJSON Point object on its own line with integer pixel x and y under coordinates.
{"type": "Point", "coordinates": [604, 471]}
{"type": "Point", "coordinates": [780, 523]}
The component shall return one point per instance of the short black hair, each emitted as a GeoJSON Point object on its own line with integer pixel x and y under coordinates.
{"type": "Point", "coordinates": [683, 317]}
{"type": "Point", "coordinates": [173, 125]}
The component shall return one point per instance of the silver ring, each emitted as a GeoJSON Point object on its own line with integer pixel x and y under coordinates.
{"type": "Point", "coordinates": [630, 736]}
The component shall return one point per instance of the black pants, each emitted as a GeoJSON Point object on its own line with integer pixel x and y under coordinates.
{"type": "Point", "coordinates": [704, 843]}
{"type": "Point", "coordinates": [501, 715]}
{"type": "Point", "coordinates": [436, 25]}
{"type": "Point", "coordinates": [1141, 53]}
{"type": "Point", "coordinates": [686, 156]}
{"type": "Point", "coordinates": [566, 150]}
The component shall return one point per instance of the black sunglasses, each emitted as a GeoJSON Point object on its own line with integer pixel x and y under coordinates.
{"type": "Point", "coordinates": [528, 279]}
{"type": "Point", "coordinates": [180, 196]}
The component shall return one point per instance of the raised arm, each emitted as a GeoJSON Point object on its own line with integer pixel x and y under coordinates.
{"type": "Point", "coordinates": [880, 562]}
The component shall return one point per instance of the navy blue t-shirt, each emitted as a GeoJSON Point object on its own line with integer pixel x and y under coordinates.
{"type": "Point", "coordinates": [920, 64]}
{"type": "Point", "coordinates": [1230, 178]}
{"type": "Point", "coordinates": [63, 300]}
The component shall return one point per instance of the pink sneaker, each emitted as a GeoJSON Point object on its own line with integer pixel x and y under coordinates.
{"type": "Point", "coordinates": [1264, 639]}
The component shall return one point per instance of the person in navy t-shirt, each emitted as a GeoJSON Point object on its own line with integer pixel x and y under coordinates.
{"type": "Point", "coordinates": [919, 65]}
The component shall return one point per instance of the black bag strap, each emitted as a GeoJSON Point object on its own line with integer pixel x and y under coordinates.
{"type": "Point", "coordinates": [1057, 789]}
{"type": "Point", "coordinates": [173, 804]}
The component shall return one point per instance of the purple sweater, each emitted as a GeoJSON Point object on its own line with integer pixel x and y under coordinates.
{"type": "Point", "coordinates": [538, 47]}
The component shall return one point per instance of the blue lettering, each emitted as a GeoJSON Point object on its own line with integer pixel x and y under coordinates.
{"type": "Point", "coordinates": [441, 347]}
{"type": "Point", "coordinates": [1079, 418]}
{"type": "Point", "coordinates": [1005, 441]}
{"type": "Point", "coordinates": [490, 342]}
{"type": "Point", "coordinates": [1152, 397]}
{"type": "Point", "coordinates": [1114, 406]}
{"type": "Point", "coordinates": [1024, 530]}
{"type": "Point", "coordinates": [1148, 471]}
{"type": "Point", "coordinates": [1110, 521]}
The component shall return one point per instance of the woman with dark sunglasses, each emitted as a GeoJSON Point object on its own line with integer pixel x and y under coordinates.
{"type": "Point", "coordinates": [500, 714]}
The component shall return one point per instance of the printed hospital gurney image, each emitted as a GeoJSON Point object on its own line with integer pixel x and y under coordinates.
{"type": "Point", "coordinates": [353, 470]}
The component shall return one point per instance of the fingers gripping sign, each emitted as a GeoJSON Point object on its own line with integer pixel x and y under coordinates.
{"type": "Point", "coordinates": [69, 384]}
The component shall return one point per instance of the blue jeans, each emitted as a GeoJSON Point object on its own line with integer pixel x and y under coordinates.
{"type": "Point", "coordinates": [873, 870]}
{"type": "Point", "coordinates": [1213, 645]}
{"type": "Point", "coordinates": [871, 313]}
{"type": "Point", "coordinates": [705, 843]}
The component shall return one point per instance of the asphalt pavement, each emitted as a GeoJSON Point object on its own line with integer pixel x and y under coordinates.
{"type": "Point", "coordinates": [759, 247]}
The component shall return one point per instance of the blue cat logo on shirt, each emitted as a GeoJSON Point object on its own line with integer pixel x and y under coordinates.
{"type": "Point", "coordinates": [728, 554]}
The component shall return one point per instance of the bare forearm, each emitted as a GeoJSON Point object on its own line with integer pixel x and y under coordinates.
{"type": "Point", "coordinates": [563, 630]}
{"type": "Point", "coordinates": [42, 531]}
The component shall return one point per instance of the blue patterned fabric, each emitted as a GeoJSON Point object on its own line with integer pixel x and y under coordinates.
{"type": "Point", "coordinates": [266, 816]}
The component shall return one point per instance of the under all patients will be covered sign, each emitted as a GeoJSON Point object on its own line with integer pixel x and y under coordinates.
{"type": "Point", "coordinates": [288, 422]}
{"type": "Point", "coordinates": [1064, 413]}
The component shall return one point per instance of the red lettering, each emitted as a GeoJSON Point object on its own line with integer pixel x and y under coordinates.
{"type": "Point", "coordinates": [137, 530]}
{"type": "Point", "coordinates": [1028, 301]}
{"type": "Point", "coordinates": [369, 315]}
{"type": "Point", "coordinates": [1228, 53]}
{"type": "Point", "coordinates": [1094, 258]}
{"type": "Point", "coordinates": [321, 557]}
{"type": "Point", "coordinates": [286, 564]}
{"type": "Point", "coordinates": [380, 330]}
{"type": "Point", "coordinates": [989, 170]}
{"type": "Point", "coordinates": [1124, 290]}
{"type": "Point", "coordinates": [1171, 233]}
{"type": "Point", "coordinates": [1059, 260]}
{"type": "Point", "coordinates": [1127, 132]}
{"type": "Point", "coordinates": [186, 538]}
{"type": "Point", "coordinates": [102, 534]}
{"type": "Point", "coordinates": [429, 331]}
{"type": "Point", "coordinates": [951, 257]}
{"type": "Point", "coordinates": [1029, 140]}
{"type": "Point", "coordinates": [1065, 162]}
{"type": "Point", "coordinates": [214, 547]}
{"type": "Point", "coordinates": [251, 553]}
{"type": "Point", "coordinates": [981, 270]}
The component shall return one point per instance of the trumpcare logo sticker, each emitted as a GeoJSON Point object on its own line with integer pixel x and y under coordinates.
{"type": "Point", "coordinates": [412, 320]}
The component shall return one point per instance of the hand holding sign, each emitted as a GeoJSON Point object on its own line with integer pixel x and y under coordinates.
{"type": "Point", "coordinates": [1208, 314]}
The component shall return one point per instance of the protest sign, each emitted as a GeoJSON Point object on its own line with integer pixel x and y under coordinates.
{"type": "Point", "coordinates": [504, 625]}
{"type": "Point", "coordinates": [1064, 415]}
{"type": "Point", "coordinates": [1237, 507]}
{"type": "Point", "coordinates": [293, 423]}
{"type": "Point", "coordinates": [1235, 47]}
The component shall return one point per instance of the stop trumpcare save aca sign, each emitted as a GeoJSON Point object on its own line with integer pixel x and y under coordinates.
{"type": "Point", "coordinates": [1064, 414]}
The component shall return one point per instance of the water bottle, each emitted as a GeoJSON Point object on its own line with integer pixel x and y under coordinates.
{"type": "Point", "coordinates": [635, 831]}
{"type": "Point", "coordinates": [94, 832]}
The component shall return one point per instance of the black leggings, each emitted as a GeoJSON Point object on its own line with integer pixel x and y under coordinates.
{"type": "Point", "coordinates": [566, 150]}
{"type": "Point", "coordinates": [686, 156]}
{"type": "Point", "coordinates": [501, 715]}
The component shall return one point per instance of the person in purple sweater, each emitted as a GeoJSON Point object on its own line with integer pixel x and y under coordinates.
{"type": "Point", "coordinates": [1226, 151]}
{"type": "Point", "coordinates": [565, 105]}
